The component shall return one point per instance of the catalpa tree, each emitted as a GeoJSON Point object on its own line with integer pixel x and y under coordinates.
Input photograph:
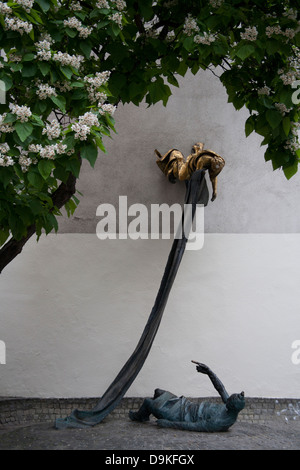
{"type": "Point", "coordinates": [65, 66]}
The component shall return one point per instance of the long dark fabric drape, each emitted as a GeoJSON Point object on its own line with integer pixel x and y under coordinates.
{"type": "Point", "coordinates": [196, 192]}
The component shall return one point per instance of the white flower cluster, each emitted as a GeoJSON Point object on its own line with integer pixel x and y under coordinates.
{"type": "Point", "coordinates": [22, 112]}
{"type": "Point", "coordinates": [4, 8]}
{"type": "Point", "coordinates": [205, 39]}
{"type": "Point", "coordinates": [170, 36]}
{"type": "Point", "coordinates": [190, 25]}
{"type": "Point", "coordinates": [45, 91]}
{"type": "Point", "coordinates": [84, 31]}
{"type": "Point", "coordinates": [288, 78]}
{"type": "Point", "coordinates": [293, 74]}
{"type": "Point", "coordinates": [170, 3]}
{"type": "Point", "coordinates": [15, 24]}
{"type": "Point", "coordinates": [25, 161]}
{"type": "Point", "coordinates": [291, 14]}
{"type": "Point", "coordinates": [150, 31]}
{"type": "Point", "coordinates": [295, 61]}
{"type": "Point", "coordinates": [250, 34]}
{"type": "Point", "coordinates": [289, 32]}
{"type": "Point", "coordinates": [102, 4]}
{"type": "Point", "coordinates": [26, 4]}
{"type": "Point", "coordinates": [216, 3]}
{"type": "Point", "coordinates": [5, 160]}
{"type": "Point", "coordinates": [66, 59]}
{"type": "Point", "coordinates": [49, 151]}
{"type": "Point", "coordinates": [14, 57]}
{"type": "Point", "coordinates": [63, 86]}
{"type": "Point", "coordinates": [120, 4]}
{"type": "Point", "coordinates": [82, 128]}
{"type": "Point", "coordinates": [4, 148]}
{"type": "Point", "coordinates": [43, 50]}
{"type": "Point", "coordinates": [264, 90]}
{"type": "Point", "coordinates": [293, 143]}
{"type": "Point", "coordinates": [75, 6]}
{"type": "Point", "coordinates": [117, 18]}
{"type": "Point", "coordinates": [53, 130]}
{"type": "Point", "coordinates": [5, 128]}
{"type": "Point", "coordinates": [281, 107]}
{"type": "Point", "coordinates": [94, 83]}
{"type": "Point", "coordinates": [107, 108]}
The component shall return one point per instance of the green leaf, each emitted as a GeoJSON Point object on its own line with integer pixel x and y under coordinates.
{"type": "Point", "coordinates": [158, 91]}
{"type": "Point", "coordinates": [28, 57]}
{"type": "Point", "coordinates": [8, 82]}
{"type": "Point", "coordinates": [23, 129]}
{"type": "Point", "coordinates": [16, 67]}
{"type": "Point", "coordinates": [86, 47]}
{"type": "Point", "coordinates": [249, 126]}
{"type": "Point", "coordinates": [9, 118]}
{"type": "Point", "coordinates": [291, 170]}
{"type": "Point", "coordinates": [172, 80]}
{"type": "Point", "coordinates": [6, 175]}
{"type": "Point", "coordinates": [274, 118]}
{"type": "Point", "coordinates": [146, 10]}
{"type": "Point", "coordinates": [71, 32]}
{"type": "Point", "coordinates": [60, 102]}
{"type": "Point", "coordinates": [67, 71]}
{"type": "Point", "coordinates": [77, 84]}
{"type": "Point", "coordinates": [73, 165]}
{"type": "Point", "coordinates": [115, 29]}
{"type": "Point", "coordinates": [36, 207]}
{"type": "Point", "coordinates": [99, 143]}
{"type": "Point", "coordinates": [286, 124]}
{"type": "Point", "coordinates": [38, 120]}
{"type": "Point", "coordinates": [44, 4]}
{"type": "Point", "coordinates": [44, 67]}
{"type": "Point", "coordinates": [69, 141]}
{"type": "Point", "coordinates": [45, 168]}
{"type": "Point", "coordinates": [90, 153]}
{"type": "Point", "coordinates": [245, 51]}
{"type": "Point", "coordinates": [35, 179]}
{"type": "Point", "coordinates": [182, 69]}
{"type": "Point", "coordinates": [50, 223]}
{"type": "Point", "coordinates": [189, 43]}
{"type": "Point", "coordinates": [29, 70]}
{"type": "Point", "coordinates": [70, 207]}
{"type": "Point", "coordinates": [4, 234]}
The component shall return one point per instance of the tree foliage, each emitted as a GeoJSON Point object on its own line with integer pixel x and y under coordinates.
{"type": "Point", "coordinates": [65, 65]}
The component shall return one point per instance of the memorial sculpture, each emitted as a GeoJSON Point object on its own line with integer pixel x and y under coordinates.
{"type": "Point", "coordinates": [192, 172]}
{"type": "Point", "coordinates": [174, 166]}
{"type": "Point", "coordinates": [180, 413]}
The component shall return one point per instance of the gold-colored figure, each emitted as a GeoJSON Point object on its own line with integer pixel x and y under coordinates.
{"type": "Point", "coordinates": [174, 166]}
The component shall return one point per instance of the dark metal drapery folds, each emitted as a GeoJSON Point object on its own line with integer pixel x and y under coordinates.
{"type": "Point", "coordinates": [196, 193]}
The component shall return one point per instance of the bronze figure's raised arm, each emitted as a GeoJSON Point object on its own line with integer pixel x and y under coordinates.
{"type": "Point", "coordinates": [181, 413]}
{"type": "Point", "coordinates": [175, 167]}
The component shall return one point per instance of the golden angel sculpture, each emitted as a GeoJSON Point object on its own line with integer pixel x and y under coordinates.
{"type": "Point", "coordinates": [174, 165]}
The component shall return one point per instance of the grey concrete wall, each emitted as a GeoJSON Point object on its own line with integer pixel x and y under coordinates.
{"type": "Point", "coordinates": [252, 197]}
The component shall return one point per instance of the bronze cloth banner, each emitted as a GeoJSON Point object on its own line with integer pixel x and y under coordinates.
{"type": "Point", "coordinates": [196, 193]}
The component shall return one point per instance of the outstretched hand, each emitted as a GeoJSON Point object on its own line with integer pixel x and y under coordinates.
{"type": "Point", "coordinates": [202, 368]}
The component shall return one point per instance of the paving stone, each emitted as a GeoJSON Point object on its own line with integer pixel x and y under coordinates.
{"type": "Point", "coordinates": [122, 434]}
{"type": "Point", "coordinates": [28, 423]}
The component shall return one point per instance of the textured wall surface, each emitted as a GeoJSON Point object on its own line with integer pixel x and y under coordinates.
{"type": "Point", "coordinates": [73, 307]}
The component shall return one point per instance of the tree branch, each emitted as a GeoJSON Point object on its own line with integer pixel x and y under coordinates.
{"type": "Point", "coordinates": [14, 247]}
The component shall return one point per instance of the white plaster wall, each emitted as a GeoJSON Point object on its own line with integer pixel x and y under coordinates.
{"type": "Point", "coordinates": [73, 307]}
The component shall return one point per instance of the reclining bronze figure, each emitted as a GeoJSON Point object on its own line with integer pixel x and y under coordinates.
{"type": "Point", "coordinates": [180, 413]}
